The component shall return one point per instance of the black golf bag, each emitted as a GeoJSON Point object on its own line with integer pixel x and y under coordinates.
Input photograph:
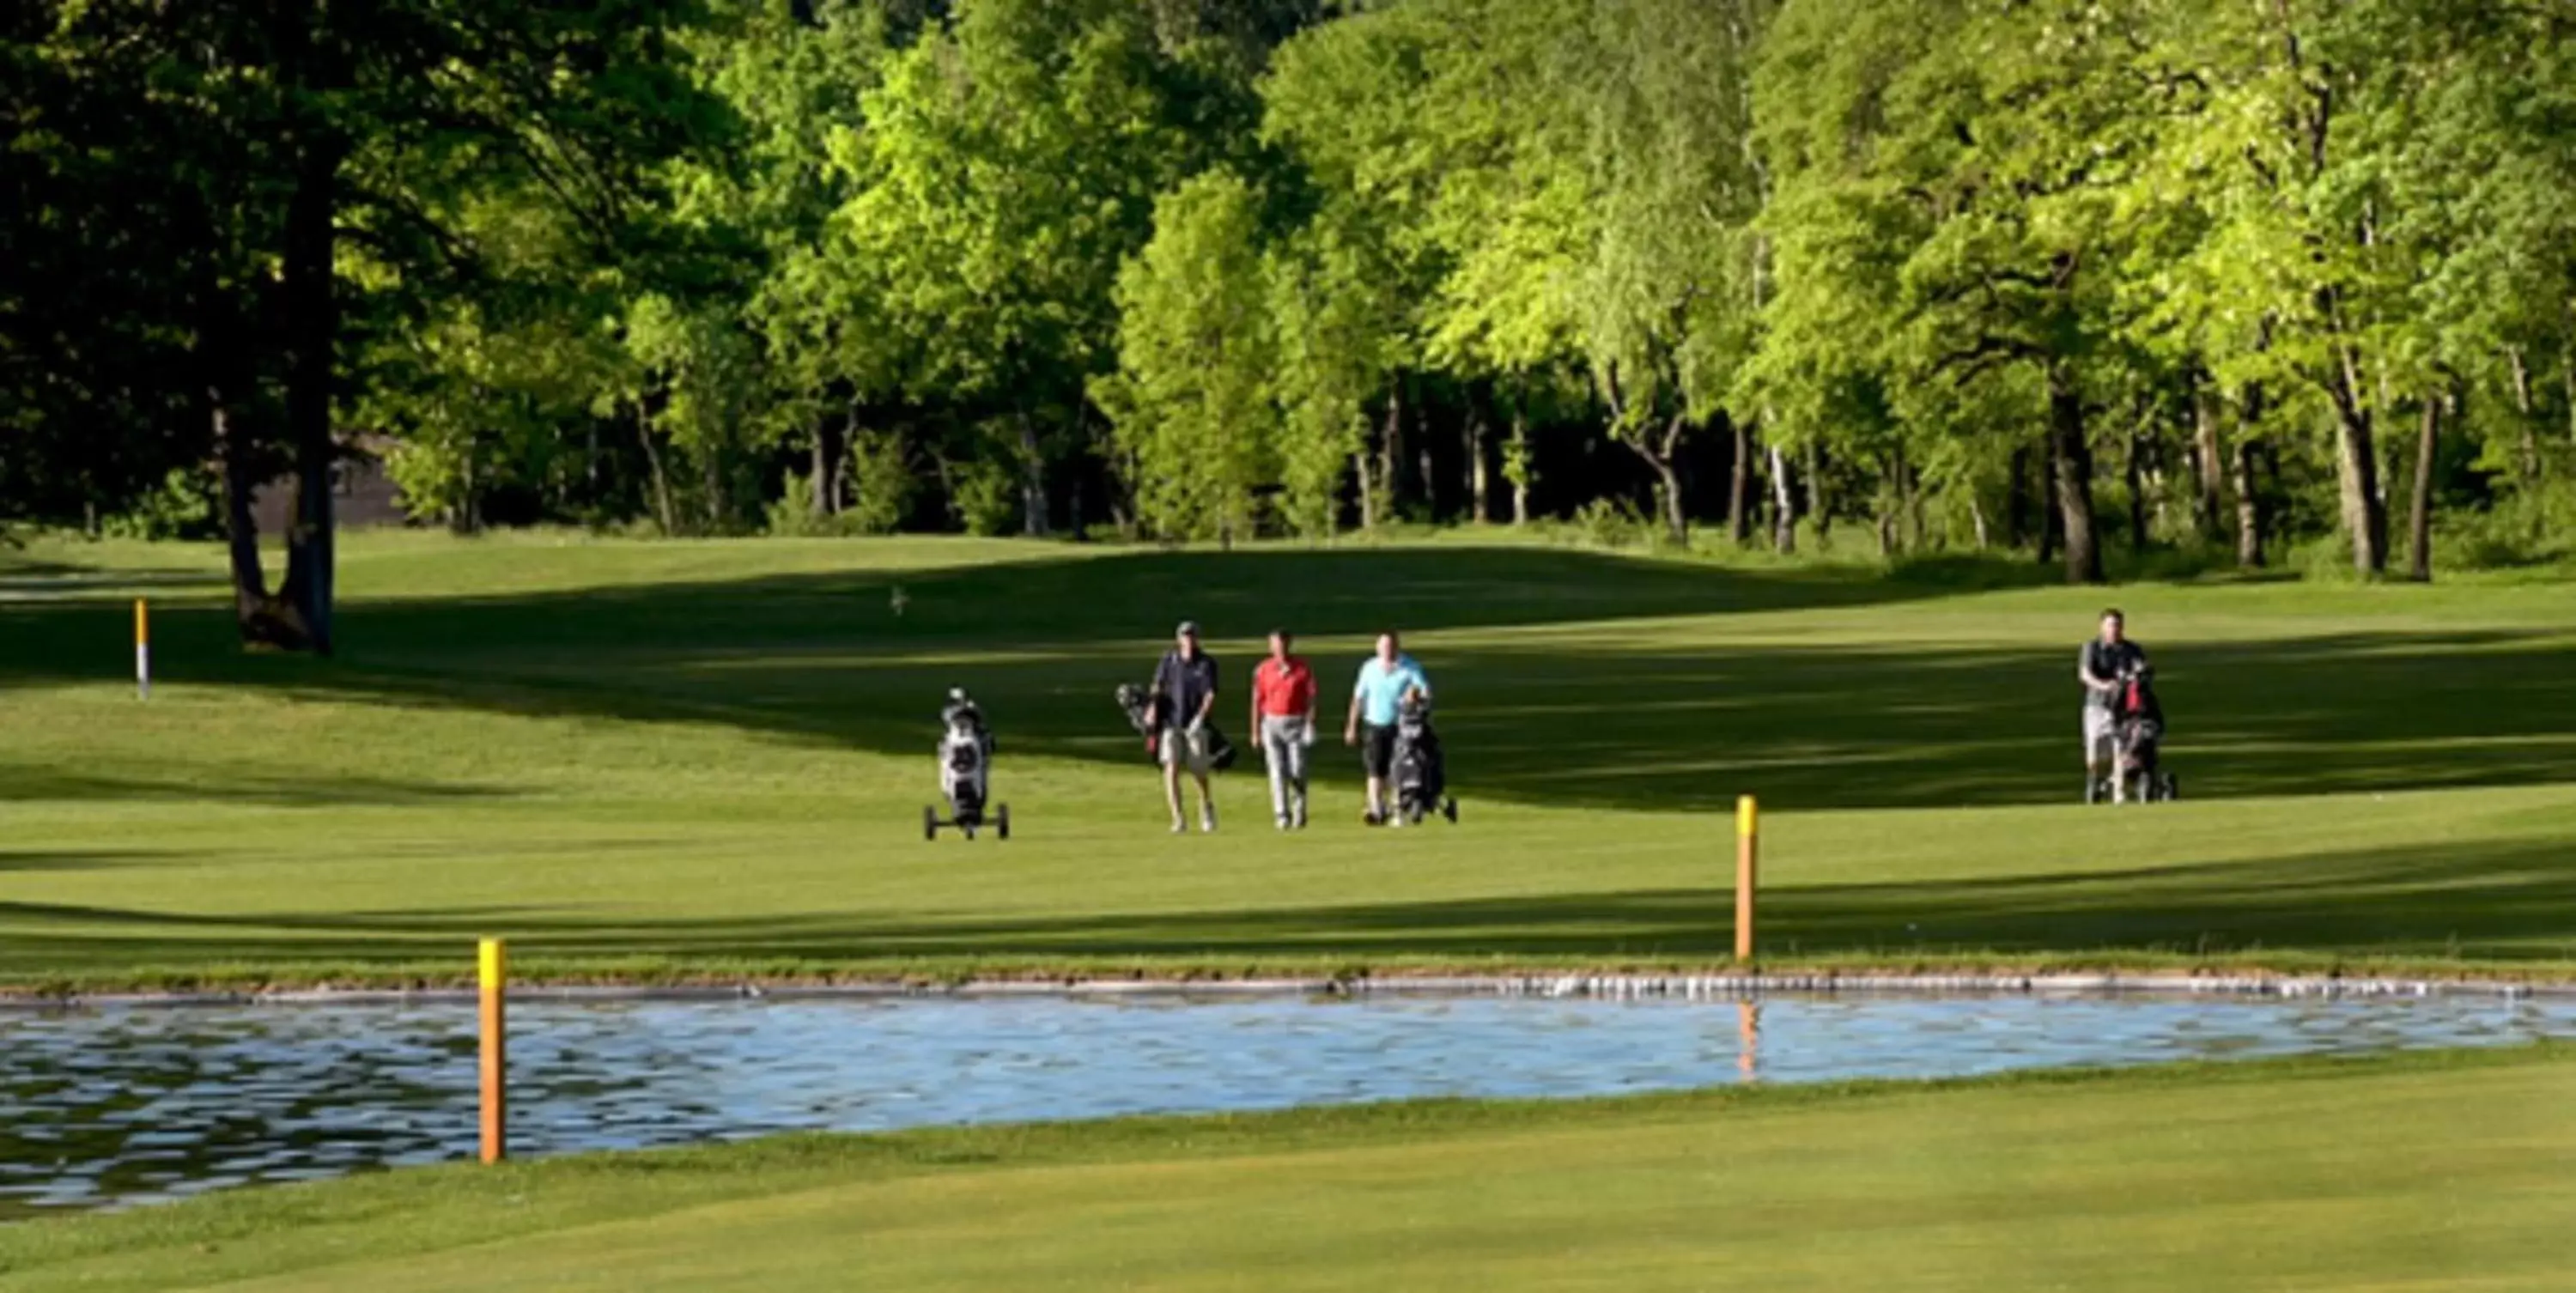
{"type": "Point", "coordinates": [1420, 775]}
{"type": "Point", "coordinates": [2137, 734]}
{"type": "Point", "coordinates": [965, 772]}
{"type": "Point", "coordinates": [1138, 704]}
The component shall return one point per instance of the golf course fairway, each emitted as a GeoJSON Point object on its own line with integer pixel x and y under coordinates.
{"type": "Point", "coordinates": [2421, 1173]}
{"type": "Point", "coordinates": [708, 760]}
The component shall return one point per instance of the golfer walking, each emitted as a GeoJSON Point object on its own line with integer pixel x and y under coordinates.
{"type": "Point", "coordinates": [1283, 714]}
{"type": "Point", "coordinates": [1376, 699]}
{"type": "Point", "coordinates": [1184, 696]}
{"type": "Point", "coordinates": [2103, 666]}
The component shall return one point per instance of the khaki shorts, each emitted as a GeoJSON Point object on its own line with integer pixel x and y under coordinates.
{"type": "Point", "coordinates": [1178, 746]}
{"type": "Point", "coordinates": [2101, 735]}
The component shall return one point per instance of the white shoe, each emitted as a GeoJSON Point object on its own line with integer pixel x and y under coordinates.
{"type": "Point", "coordinates": [1180, 827]}
{"type": "Point", "coordinates": [1207, 821]}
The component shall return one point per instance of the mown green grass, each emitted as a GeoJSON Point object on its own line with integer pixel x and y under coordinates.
{"type": "Point", "coordinates": [708, 759]}
{"type": "Point", "coordinates": [2426, 1172]}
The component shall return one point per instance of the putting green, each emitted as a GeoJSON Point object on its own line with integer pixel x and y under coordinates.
{"type": "Point", "coordinates": [2418, 1173]}
{"type": "Point", "coordinates": [678, 759]}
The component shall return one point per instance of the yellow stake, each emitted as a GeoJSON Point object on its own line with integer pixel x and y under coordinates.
{"type": "Point", "coordinates": [1747, 844]}
{"type": "Point", "coordinates": [142, 648]}
{"type": "Point", "coordinates": [495, 975]}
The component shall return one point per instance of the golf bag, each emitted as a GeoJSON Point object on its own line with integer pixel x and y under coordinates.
{"type": "Point", "coordinates": [965, 772]}
{"type": "Point", "coordinates": [1420, 775]}
{"type": "Point", "coordinates": [1138, 704]}
{"type": "Point", "coordinates": [2138, 730]}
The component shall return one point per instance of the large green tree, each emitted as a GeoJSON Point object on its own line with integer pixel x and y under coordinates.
{"type": "Point", "coordinates": [1191, 398]}
{"type": "Point", "coordinates": [317, 160]}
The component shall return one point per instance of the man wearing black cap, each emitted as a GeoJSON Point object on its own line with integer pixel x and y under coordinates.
{"type": "Point", "coordinates": [1184, 696]}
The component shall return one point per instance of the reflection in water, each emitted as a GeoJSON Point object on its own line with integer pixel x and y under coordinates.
{"type": "Point", "coordinates": [1748, 1033]}
{"type": "Point", "coordinates": [134, 1105]}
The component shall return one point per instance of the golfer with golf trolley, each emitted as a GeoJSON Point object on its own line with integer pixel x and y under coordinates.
{"type": "Point", "coordinates": [1377, 702]}
{"type": "Point", "coordinates": [1283, 717]}
{"type": "Point", "coordinates": [1184, 695]}
{"type": "Point", "coordinates": [2105, 666]}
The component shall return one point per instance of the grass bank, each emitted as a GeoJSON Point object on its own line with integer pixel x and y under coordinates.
{"type": "Point", "coordinates": [686, 761]}
{"type": "Point", "coordinates": [2443, 1171]}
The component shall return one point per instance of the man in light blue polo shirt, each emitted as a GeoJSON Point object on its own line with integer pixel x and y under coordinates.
{"type": "Point", "coordinates": [1385, 680]}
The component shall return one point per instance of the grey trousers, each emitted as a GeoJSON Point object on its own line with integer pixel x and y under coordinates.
{"type": "Point", "coordinates": [1283, 747]}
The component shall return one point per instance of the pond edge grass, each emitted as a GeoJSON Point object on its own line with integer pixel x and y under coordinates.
{"type": "Point", "coordinates": [469, 1203]}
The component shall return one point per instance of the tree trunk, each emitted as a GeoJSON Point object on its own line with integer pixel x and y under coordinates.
{"type": "Point", "coordinates": [1816, 504]}
{"type": "Point", "coordinates": [718, 501]}
{"type": "Point", "coordinates": [1668, 490]}
{"type": "Point", "coordinates": [2073, 456]}
{"type": "Point", "coordinates": [2529, 449]}
{"type": "Point", "coordinates": [312, 325]}
{"type": "Point", "coordinates": [2365, 509]}
{"type": "Point", "coordinates": [1033, 483]}
{"type": "Point", "coordinates": [2017, 497]}
{"type": "Point", "coordinates": [666, 514]}
{"type": "Point", "coordinates": [1423, 462]}
{"type": "Point", "coordinates": [826, 469]}
{"type": "Point", "coordinates": [1519, 449]}
{"type": "Point", "coordinates": [1914, 518]}
{"type": "Point", "coordinates": [1891, 505]}
{"type": "Point", "coordinates": [253, 613]}
{"type": "Point", "coordinates": [466, 517]}
{"type": "Point", "coordinates": [2134, 469]}
{"type": "Point", "coordinates": [1391, 450]}
{"type": "Point", "coordinates": [2249, 510]}
{"type": "Point", "coordinates": [1479, 482]}
{"type": "Point", "coordinates": [1665, 459]}
{"type": "Point", "coordinates": [1784, 505]}
{"type": "Point", "coordinates": [1368, 491]}
{"type": "Point", "coordinates": [2567, 380]}
{"type": "Point", "coordinates": [2208, 468]}
{"type": "Point", "coordinates": [2052, 523]}
{"type": "Point", "coordinates": [1739, 486]}
{"type": "Point", "coordinates": [2419, 518]}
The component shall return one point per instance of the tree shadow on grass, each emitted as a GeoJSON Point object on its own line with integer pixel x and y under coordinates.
{"type": "Point", "coordinates": [1534, 709]}
{"type": "Point", "coordinates": [26, 862]}
{"type": "Point", "coordinates": [20, 784]}
{"type": "Point", "coordinates": [2507, 900]}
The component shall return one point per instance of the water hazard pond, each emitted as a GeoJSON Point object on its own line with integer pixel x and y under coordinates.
{"type": "Point", "coordinates": [125, 1105]}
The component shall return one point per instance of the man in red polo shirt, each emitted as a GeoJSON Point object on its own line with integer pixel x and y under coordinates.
{"type": "Point", "coordinates": [1283, 712]}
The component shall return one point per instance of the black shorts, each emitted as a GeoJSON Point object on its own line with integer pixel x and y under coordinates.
{"type": "Point", "coordinates": [1377, 749]}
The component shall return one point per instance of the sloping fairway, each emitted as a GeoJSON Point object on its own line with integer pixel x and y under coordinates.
{"type": "Point", "coordinates": [2419, 1173]}
{"type": "Point", "coordinates": [711, 758]}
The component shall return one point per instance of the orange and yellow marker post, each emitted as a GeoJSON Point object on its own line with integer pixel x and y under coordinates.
{"type": "Point", "coordinates": [142, 649]}
{"type": "Point", "coordinates": [495, 972]}
{"type": "Point", "coordinates": [1747, 847]}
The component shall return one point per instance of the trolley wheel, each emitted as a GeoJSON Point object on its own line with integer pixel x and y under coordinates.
{"type": "Point", "coordinates": [1002, 821]}
{"type": "Point", "coordinates": [1449, 809]}
{"type": "Point", "coordinates": [2172, 787]}
{"type": "Point", "coordinates": [929, 823]}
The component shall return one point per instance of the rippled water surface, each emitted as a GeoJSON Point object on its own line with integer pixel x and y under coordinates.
{"type": "Point", "coordinates": [132, 1105]}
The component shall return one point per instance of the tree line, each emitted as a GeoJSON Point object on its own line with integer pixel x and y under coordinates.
{"type": "Point", "coordinates": [2050, 275]}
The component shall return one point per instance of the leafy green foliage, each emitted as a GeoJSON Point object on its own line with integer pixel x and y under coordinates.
{"type": "Point", "coordinates": [1972, 271]}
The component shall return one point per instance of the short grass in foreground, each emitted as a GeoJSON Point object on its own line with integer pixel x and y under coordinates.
{"type": "Point", "coordinates": [709, 759]}
{"type": "Point", "coordinates": [2425, 1173]}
